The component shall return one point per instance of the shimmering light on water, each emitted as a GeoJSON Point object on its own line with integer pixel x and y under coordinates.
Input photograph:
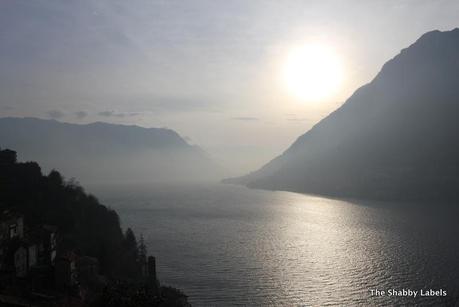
{"type": "Point", "coordinates": [231, 246]}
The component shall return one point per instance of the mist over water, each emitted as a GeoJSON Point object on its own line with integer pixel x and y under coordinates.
{"type": "Point", "coordinates": [228, 245]}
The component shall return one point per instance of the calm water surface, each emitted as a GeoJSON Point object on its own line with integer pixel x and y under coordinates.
{"type": "Point", "coordinates": [230, 246]}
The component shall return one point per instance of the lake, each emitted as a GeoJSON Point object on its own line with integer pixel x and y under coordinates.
{"type": "Point", "coordinates": [227, 245]}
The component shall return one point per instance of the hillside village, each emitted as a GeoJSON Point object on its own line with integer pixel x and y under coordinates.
{"type": "Point", "coordinates": [42, 264]}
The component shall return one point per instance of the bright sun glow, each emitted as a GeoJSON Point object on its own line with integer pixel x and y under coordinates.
{"type": "Point", "coordinates": [312, 73]}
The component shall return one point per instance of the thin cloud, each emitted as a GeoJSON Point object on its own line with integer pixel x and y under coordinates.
{"type": "Point", "coordinates": [56, 114]}
{"type": "Point", "coordinates": [81, 114]}
{"type": "Point", "coordinates": [245, 118]}
{"type": "Point", "coordinates": [294, 119]}
{"type": "Point", "coordinates": [107, 114]}
{"type": "Point", "coordinates": [174, 104]}
{"type": "Point", "coordinates": [117, 114]}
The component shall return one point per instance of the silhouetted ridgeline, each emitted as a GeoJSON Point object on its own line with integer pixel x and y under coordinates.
{"type": "Point", "coordinates": [396, 138]}
{"type": "Point", "coordinates": [59, 246]}
{"type": "Point", "coordinates": [108, 153]}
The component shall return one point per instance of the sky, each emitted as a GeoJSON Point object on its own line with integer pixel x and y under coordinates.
{"type": "Point", "coordinates": [209, 69]}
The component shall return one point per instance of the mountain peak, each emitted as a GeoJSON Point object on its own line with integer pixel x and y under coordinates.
{"type": "Point", "coordinates": [394, 138]}
{"type": "Point", "coordinates": [437, 34]}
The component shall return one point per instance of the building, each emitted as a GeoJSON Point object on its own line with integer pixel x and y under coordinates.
{"type": "Point", "coordinates": [47, 243]}
{"type": "Point", "coordinates": [65, 271]}
{"type": "Point", "coordinates": [11, 229]}
{"type": "Point", "coordinates": [88, 270]}
{"type": "Point", "coordinates": [21, 265]}
{"type": "Point", "coordinates": [22, 249]}
{"type": "Point", "coordinates": [11, 225]}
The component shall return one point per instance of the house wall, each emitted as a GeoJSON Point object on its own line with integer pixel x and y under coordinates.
{"type": "Point", "coordinates": [33, 255]}
{"type": "Point", "coordinates": [20, 262]}
{"type": "Point", "coordinates": [12, 227]}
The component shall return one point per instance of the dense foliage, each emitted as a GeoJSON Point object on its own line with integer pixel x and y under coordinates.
{"type": "Point", "coordinates": [85, 226]}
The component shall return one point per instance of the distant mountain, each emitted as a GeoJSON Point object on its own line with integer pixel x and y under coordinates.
{"type": "Point", "coordinates": [102, 152]}
{"type": "Point", "coordinates": [396, 138]}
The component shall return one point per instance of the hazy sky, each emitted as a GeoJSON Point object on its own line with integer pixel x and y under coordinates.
{"type": "Point", "coordinates": [209, 69]}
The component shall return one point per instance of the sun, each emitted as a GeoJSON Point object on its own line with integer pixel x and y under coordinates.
{"type": "Point", "coordinates": [312, 72]}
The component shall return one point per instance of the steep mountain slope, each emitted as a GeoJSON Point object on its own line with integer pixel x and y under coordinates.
{"type": "Point", "coordinates": [394, 138]}
{"type": "Point", "coordinates": [102, 152]}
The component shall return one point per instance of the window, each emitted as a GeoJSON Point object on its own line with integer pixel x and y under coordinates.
{"type": "Point", "coordinates": [13, 230]}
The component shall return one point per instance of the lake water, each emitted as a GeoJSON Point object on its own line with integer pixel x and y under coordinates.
{"type": "Point", "coordinates": [226, 245]}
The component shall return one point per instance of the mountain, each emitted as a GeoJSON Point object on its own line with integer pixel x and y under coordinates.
{"type": "Point", "coordinates": [102, 152]}
{"type": "Point", "coordinates": [396, 138]}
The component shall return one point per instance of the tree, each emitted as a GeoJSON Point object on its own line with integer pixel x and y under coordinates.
{"type": "Point", "coordinates": [142, 255]}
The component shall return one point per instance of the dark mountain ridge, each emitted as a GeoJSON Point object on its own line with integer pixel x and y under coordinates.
{"type": "Point", "coordinates": [103, 152]}
{"type": "Point", "coordinates": [60, 229]}
{"type": "Point", "coordinates": [394, 138]}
